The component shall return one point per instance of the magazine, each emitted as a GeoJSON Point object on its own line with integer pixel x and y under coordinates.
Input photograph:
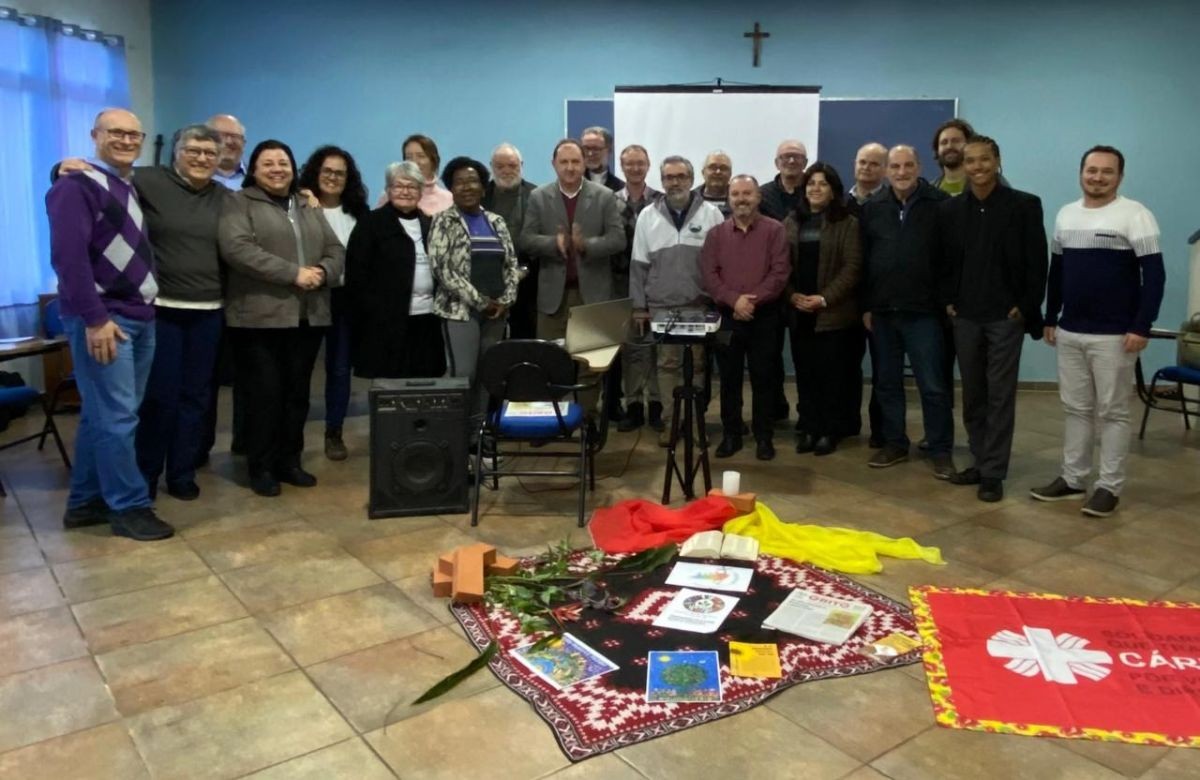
{"type": "Point", "coordinates": [563, 662]}
{"type": "Point", "coordinates": [817, 617]}
{"type": "Point", "coordinates": [683, 676]}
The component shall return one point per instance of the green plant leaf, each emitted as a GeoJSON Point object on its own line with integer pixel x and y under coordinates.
{"type": "Point", "coordinates": [646, 560]}
{"type": "Point", "coordinates": [448, 682]}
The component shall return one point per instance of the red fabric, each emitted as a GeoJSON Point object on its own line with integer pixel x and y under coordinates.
{"type": "Point", "coordinates": [636, 524]}
{"type": "Point", "coordinates": [1127, 668]}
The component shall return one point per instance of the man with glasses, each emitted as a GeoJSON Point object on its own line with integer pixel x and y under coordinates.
{"type": "Point", "coordinates": [106, 287]}
{"type": "Point", "coordinates": [717, 170]}
{"type": "Point", "coordinates": [230, 170]}
{"type": "Point", "coordinates": [597, 147]}
{"type": "Point", "coordinates": [780, 197]}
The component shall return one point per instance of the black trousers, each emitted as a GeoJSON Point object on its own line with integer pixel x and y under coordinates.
{"type": "Point", "coordinates": [274, 367]}
{"type": "Point", "coordinates": [754, 342]}
{"type": "Point", "coordinates": [989, 358]}
{"type": "Point", "coordinates": [829, 379]}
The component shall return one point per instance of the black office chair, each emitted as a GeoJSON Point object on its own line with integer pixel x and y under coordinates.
{"type": "Point", "coordinates": [517, 374]}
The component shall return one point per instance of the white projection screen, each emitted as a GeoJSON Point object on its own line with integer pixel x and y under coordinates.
{"type": "Point", "coordinates": [746, 122]}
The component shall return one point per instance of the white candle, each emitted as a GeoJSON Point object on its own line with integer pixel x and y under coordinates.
{"type": "Point", "coordinates": [731, 483]}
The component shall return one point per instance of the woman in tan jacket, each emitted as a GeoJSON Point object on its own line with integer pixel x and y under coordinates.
{"type": "Point", "coordinates": [282, 258]}
{"type": "Point", "coordinates": [822, 295]}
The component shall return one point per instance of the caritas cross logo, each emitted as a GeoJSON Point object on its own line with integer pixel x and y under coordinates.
{"type": "Point", "coordinates": [1059, 659]}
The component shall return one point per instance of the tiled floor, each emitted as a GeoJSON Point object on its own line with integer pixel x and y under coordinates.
{"type": "Point", "coordinates": [283, 638]}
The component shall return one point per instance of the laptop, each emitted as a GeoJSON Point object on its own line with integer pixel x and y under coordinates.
{"type": "Point", "coordinates": [596, 331]}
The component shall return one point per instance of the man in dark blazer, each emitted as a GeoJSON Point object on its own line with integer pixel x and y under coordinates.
{"type": "Point", "coordinates": [507, 194]}
{"type": "Point", "coordinates": [573, 228]}
{"type": "Point", "coordinates": [992, 283]}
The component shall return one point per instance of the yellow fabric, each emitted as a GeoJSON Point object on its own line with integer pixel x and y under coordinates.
{"type": "Point", "coordinates": [839, 549]}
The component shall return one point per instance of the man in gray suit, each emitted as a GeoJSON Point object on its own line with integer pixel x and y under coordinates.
{"type": "Point", "coordinates": [573, 227]}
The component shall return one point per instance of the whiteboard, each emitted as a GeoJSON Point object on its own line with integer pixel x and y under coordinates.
{"type": "Point", "coordinates": [747, 123]}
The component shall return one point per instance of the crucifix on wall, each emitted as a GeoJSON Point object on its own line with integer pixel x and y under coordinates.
{"type": "Point", "coordinates": [758, 36]}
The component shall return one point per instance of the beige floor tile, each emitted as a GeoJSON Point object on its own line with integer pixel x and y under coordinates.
{"type": "Point", "coordinates": [376, 686]}
{"type": "Point", "coordinates": [262, 543]}
{"type": "Point", "coordinates": [238, 731]}
{"type": "Point", "coordinates": [102, 753]}
{"type": "Point", "coordinates": [1178, 764]}
{"type": "Point", "coordinates": [865, 773]}
{"type": "Point", "coordinates": [154, 613]}
{"type": "Point", "coordinates": [201, 518]}
{"type": "Point", "coordinates": [52, 701]}
{"type": "Point", "coordinates": [18, 553]}
{"type": "Point", "coordinates": [887, 516]}
{"type": "Point", "coordinates": [349, 759]}
{"type": "Point", "coordinates": [758, 738]}
{"type": "Point", "coordinates": [432, 745]}
{"type": "Point", "coordinates": [94, 578]}
{"type": "Point", "coordinates": [954, 754]}
{"type": "Point", "coordinates": [319, 630]}
{"type": "Point", "coordinates": [408, 554]}
{"type": "Point", "coordinates": [604, 767]}
{"type": "Point", "coordinates": [1125, 759]}
{"type": "Point", "coordinates": [352, 528]}
{"type": "Point", "coordinates": [987, 548]}
{"type": "Point", "coordinates": [39, 639]}
{"type": "Point", "coordinates": [62, 546]}
{"type": "Point", "coordinates": [278, 584]}
{"type": "Point", "coordinates": [863, 716]}
{"type": "Point", "coordinates": [419, 589]}
{"type": "Point", "coordinates": [1072, 574]}
{"type": "Point", "coordinates": [189, 666]}
{"type": "Point", "coordinates": [898, 575]}
{"type": "Point", "coordinates": [1059, 524]}
{"type": "Point", "coordinates": [1135, 547]}
{"type": "Point", "coordinates": [28, 591]}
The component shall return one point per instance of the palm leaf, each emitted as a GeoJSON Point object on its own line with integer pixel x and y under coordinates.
{"type": "Point", "coordinates": [646, 560]}
{"type": "Point", "coordinates": [450, 681]}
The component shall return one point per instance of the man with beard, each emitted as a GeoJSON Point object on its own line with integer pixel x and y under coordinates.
{"type": "Point", "coordinates": [780, 197]}
{"type": "Point", "coordinates": [230, 170]}
{"type": "Point", "coordinates": [994, 275]}
{"type": "Point", "coordinates": [665, 269]}
{"type": "Point", "coordinates": [746, 266]}
{"type": "Point", "coordinates": [597, 146]}
{"type": "Point", "coordinates": [948, 142]}
{"type": "Point", "coordinates": [507, 194]}
{"type": "Point", "coordinates": [637, 359]}
{"type": "Point", "coordinates": [1105, 288]}
{"type": "Point", "coordinates": [716, 172]}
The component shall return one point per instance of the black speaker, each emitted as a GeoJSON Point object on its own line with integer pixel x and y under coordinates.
{"type": "Point", "coordinates": [419, 447]}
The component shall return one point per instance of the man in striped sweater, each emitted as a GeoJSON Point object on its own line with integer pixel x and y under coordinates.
{"type": "Point", "coordinates": [106, 290]}
{"type": "Point", "coordinates": [1105, 287]}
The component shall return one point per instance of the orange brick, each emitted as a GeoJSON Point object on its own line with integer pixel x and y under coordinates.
{"type": "Point", "coordinates": [445, 564]}
{"type": "Point", "coordinates": [443, 584]}
{"type": "Point", "coordinates": [468, 573]}
{"type": "Point", "coordinates": [503, 565]}
{"type": "Point", "coordinates": [486, 550]}
{"type": "Point", "coordinates": [742, 502]}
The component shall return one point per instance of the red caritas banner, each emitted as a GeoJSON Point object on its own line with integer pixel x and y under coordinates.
{"type": "Point", "coordinates": [1062, 666]}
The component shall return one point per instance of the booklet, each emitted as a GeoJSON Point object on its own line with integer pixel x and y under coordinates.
{"type": "Point", "coordinates": [695, 610]}
{"type": "Point", "coordinates": [563, 662]}
{"type": "Point", "coordinates": [706, 575]}
{"type": "Point", "coordinates": [683, 676]}
{"type": "Point", "coordinates": [714, 544]}
{"type": "Point", "coordinates": [533, 408]}
{"type": "Point", "coordinates": [817, 617]}
{"type": "Point", "coordinates": [753, 660]}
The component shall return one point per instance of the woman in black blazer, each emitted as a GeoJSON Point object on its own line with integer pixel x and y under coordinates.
{"type": "Point", "coordinates": [393, 330]}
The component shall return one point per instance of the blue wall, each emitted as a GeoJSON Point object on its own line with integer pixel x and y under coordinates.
{"type": "Point", "coordinates": [1046, 79]}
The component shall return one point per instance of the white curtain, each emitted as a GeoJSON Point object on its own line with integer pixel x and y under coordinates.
{"type": "Point", "coordinates": [54, 79]}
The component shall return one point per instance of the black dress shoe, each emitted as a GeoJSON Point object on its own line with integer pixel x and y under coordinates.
{"type": "Point", "coordinates": [264, 484]}
{"type": "Point", "coordinates": [94, 512]}
{"type": "Point", "coordinates": [297, 476]}
{"type": "Point", "coordinates": [656, 420]}
{"type": "Point", "coordinates": [633, 419]}
{"type": "Point", "coordinates": [765, 450]}
{"type": "Point", "coordinates": [968, 476]}
{"type": "Point", "coordinates": [729, 445]}
{"type": "Point", "coordinates": [804, 443]}
{"type": "Point", "coordinates": [184, 491]}
{"type": "Point", "coordinates": [824, 445]}
{"type": "Point", "coordinates": [990, 490]}
{"type": "Point", "coordinates": [140, 524]}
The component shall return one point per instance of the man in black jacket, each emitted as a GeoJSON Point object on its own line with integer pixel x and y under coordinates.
{"type": "Point", "coordinates": [507, 194]}
{"type": "Point", "coordinates": [903, 309]}
{"type": "Point", "coordinates": [993, 279]}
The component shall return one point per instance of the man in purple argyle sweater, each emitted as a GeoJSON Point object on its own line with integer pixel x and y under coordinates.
{"type": "Point", "coordinates": [106, 291]}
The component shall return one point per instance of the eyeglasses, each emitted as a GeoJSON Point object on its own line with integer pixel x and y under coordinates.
{"type": "Point", "coordinates": [195, 154]}
{"type": "Point", "coordinates": [125, 135]}
{"type": "Point", "coordinates": [403, 188]}
{"type": "Point", "coordinates": [676, 177]}
{"type": "Point", "coordinates": [231, 136]}
{"type": "Point", "coordinates": [793, 158]}
{"type": "Point", "coordinates": [330, 173]}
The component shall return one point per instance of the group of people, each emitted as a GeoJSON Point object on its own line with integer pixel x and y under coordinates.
{"type": "Point", "coordinates": [162, 269]}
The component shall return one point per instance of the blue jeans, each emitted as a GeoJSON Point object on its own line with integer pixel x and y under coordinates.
{"type": "Point", "coordinates": [176, 403]}
{"type": "Point", "coordinates": [105, 460]}
{"type": "Point", "coordinates": [337, 363]}
{"type": "Point", "coordinates": [919, 335]}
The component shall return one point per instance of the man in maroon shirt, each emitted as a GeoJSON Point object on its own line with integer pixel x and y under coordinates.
{"type": "Point", "coordinates": [745, 265]}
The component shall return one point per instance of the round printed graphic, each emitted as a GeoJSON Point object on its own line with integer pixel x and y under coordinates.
{"type": "Point", "coordinates": [704, 604]}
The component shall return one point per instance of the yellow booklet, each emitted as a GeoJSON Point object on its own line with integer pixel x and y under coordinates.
{"type": "Point", "coordinates": [751, 660]}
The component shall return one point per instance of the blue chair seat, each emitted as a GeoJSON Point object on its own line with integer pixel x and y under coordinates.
{"type": "Point", "coordinates": [1184, 374]}
{"type": "Point", "coordinates": [18, 396]}
{"type": "Point", "coordinates": [540, 427]}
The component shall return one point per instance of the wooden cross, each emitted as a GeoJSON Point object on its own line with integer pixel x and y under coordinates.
{"type": "Point", "coordinates": [758, 36]}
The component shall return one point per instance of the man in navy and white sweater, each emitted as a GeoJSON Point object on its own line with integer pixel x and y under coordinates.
{"type": "Point", "coordinates": [106, 291]}
{"type": "Point", "coordinates": [1105, 287]}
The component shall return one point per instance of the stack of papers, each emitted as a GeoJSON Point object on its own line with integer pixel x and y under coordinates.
{"type": "Point", "coordinates": [817, 617]}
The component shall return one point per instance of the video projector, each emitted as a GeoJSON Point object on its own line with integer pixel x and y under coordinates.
{"type": "Point", "coordinates": [685, 321]}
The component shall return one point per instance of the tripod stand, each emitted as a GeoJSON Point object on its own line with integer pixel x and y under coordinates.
{"type": "Point", "coordinates": [687, 424]}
